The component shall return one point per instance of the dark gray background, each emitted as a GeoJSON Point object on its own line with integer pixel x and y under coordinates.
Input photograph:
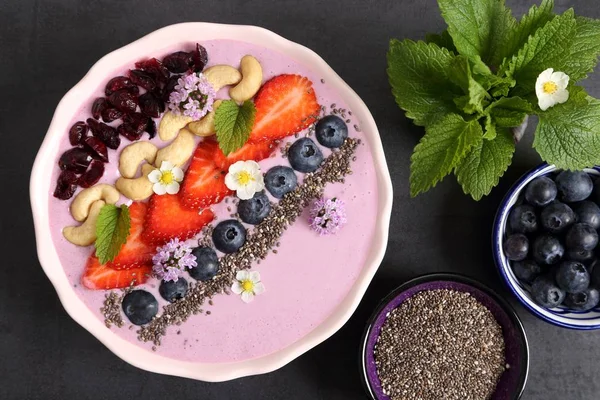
{"type": "Point", "coordinates": [47, 46]}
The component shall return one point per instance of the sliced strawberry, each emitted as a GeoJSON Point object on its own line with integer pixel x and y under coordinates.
{"type": "Point", "coordinates": [101, 277]}
{"type": "Point", "coordinates": [285, 104]}
{"type": "Point", "coordinates": [134, 252]}
{"type": "Point", "coordinates": [249, 151]}
{"type": "Point", "coordinates": [168, 219]}
{"type": "Point", "coordinates": [204, 182]}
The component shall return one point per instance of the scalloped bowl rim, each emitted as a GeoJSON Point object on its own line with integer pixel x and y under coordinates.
{"type": "Point", "coordinates": [563, 319]}
{"type": "Point", "coordinates": [40, 189]}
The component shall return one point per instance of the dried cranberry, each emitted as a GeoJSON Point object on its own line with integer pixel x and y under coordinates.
{"type": "Point", "coordinates": [119, 83]}
{"type": "Point", "coordinates": [142, 79]}
{"type": "Point", "coordinates": [123, 100]}
{"type": "Point", "coordinates": [75, 159]}
{"type": "Point", "coordinates": [138, 122]}
{"type": "Point", "coordinates": [106, 133]}
{"type": "Point", "coordinates": [170, 86]}
{"type": "Point", "coordinates": [66, 184]}
{"type": "Point", "coordinates": [129, 131]}
{"type": "Point", "coordinates": [199, 58]}
{"type": "Point", "coordinates": [77, 132]}
{"type": "Point", "coordinates": [98, 106]}
{"type": "Point", "coordinates": [97, 147]}
{"type": "Point", "coordinates": [155, 68]}
{"type": "Point", "coordinates": [151, 105]}
{"type": "Point", "coordinates": [178, 62]}
{"type": "Point", "coordinates": [151, 128]}
{"type": "Point", "coordinates": [110, 114]}
{"type": "Point", "coordinates": [92, 175]}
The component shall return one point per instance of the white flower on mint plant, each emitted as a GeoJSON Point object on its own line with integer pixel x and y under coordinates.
{"type": "Point", "coordinates": [245, 178]}
{"type": "Point", "coordinates": [551, 88]}
{"type": "Point", "coordinates": [247, 284]}
{"type": "Point", "coordinates": [166, 178]}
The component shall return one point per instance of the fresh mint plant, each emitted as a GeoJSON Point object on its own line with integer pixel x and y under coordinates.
{"type": "Point", "coordinates": [472, 84]}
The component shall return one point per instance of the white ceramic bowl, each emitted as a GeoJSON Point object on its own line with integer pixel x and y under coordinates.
{"type": "Point", "coordinates": [560, 316]}
{"type": "Point", "coordinates": [40, 189]}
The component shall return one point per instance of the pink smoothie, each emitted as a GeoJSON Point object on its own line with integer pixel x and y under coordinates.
{"type": "Point", "coordinates": [305, 281]}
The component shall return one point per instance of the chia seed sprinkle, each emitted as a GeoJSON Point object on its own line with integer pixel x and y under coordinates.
{"type": "Point", "coordinates": [111, 310]}
{"type": "Point", "coordinates": [440, 344]}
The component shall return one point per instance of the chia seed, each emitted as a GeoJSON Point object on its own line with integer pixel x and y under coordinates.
{"type": "Point", "coordinates": [440, 344]}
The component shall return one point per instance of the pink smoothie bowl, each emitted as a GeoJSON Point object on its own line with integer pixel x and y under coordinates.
{"type": "Point", "coordinates": [41, 187]}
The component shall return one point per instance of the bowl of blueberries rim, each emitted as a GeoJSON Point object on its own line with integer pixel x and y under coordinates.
{"type": "Point", "coordinates": [545, 245]}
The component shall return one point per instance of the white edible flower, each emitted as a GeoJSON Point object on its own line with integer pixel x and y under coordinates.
{"type": "Point", "coordinates": [248, 284]}
{"type": "Point", "coordinates": [245, 178]}
{"type": "Point", "coordinates": [551, 88]}
{"type": "Point", "coordinates": [166, 178]}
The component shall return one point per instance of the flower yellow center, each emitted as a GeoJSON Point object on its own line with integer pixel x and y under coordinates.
{"type": "Point", "coordinates": [244, 177]}
{"type": "Point", "coordinates": [167, 177]}
{"type": "Point", "coordinates": [550, 87]}
{"type": "Point", "coordinates": [247, 285]}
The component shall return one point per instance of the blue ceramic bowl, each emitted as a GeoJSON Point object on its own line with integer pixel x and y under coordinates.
{"type": "Point", "coordinates": [513, 380]}
{"type": "Point", "coordinates": [560, 316]}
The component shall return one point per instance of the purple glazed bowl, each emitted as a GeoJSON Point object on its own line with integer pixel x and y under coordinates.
{"type": "Point", "coordinates": [512, 382]}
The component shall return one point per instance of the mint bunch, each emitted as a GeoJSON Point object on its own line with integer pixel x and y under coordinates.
{"type": "Point", "coordinates": [469, 86]}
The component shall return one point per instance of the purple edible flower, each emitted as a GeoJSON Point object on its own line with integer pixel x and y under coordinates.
{"type": "Point", "coordinates": [327, 216]}
{"type": "Point", "coordinates": [193, 96]}
{"type": "Point", "coordinates": [172, 259]}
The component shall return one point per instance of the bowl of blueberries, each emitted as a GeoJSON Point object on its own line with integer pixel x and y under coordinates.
{"type": "Point", "coordinates": [545, 244]}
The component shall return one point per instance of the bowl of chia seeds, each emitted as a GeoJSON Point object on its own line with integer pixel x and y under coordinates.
{"type": "Point", "coordinates": [444, 336]}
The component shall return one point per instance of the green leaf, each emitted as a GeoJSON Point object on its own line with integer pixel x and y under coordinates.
{"type": "Point", "coordinates": [545, 49]}
{"type": "Point", "coordinates": [443, 40]}
{"type": "Point", "coordinates": [476, 97]}
{"type": "Point", "coordinates": [233, 124]}
{"type": "Point", "coordinates": [509, 112]}
{"type": "Point", "coordinates": [584, 51]}
{"type": "Point", "coordinates": [478, 27]}
{"type": "Point", "coordinates": [567, 134]}
{"type": "Point", "coordinates": [441, 149]}
{"type": "Point", "coordinates": [418, 75]}
{"type": "Point", "coordinates": [490, 128]}
{"type": "Point", "coordinates": [485, 164]}
{"type": "Point", "coordinates": [112, 229]}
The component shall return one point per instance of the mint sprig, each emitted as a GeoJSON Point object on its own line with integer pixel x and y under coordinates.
{"type": "Point", "coordinates": [233, 124]}
{"type": "Point", "coordinates": [470, 85]}
{"type": "Point", "coordinates": [112, 229]}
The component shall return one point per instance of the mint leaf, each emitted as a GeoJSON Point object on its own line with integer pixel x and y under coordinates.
{"type": "Point", "coordinates": [112, 229]}
{"type": "Point", "coordinates": [490, 128]}
{"type": "Point", "coordinates": [441, 149]}
{"type": "Point", "coordinates": [476, 96]}
{"type": "Point", "coordinates": [509, 112]}
{"type": "Point", "coordinates": [233, 124]}
{"type": "Point", "coordinates": [482, 168]}
{"type": "Point", "coordinates": [567, 134]}
{"type": "Point", "coordinates": [418, 75]}
{"type": "Point", "coordinates": [584, 51]}
{"type": "Point", "coordinates": [478, 27]}
{"type": "Point", "coordinates": [443, 40]}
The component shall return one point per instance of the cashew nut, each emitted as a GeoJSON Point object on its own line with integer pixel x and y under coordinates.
{"type": "Point", "coordinates": [179, 151]}
{"type": "Point", "coordinates": [133, 155]}
{"type": "Point", "coordinates": [251, 81]}
{"type": "Point", "coordinates": [170, 124]}
{"type": "Point", "coordinates": [85, 234]}
{"type": "Point", "coordinates": [222, 75]}
{"type": "Point", "coordinates": [137, 188]}
{"type": "Point", "coordinates": [205, 126]}
{"type": "Point", "coordinates": [80, 207]}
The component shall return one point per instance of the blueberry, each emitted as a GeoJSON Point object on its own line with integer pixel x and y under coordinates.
{"type": "Point", "coordinates": [207, 264]}
{"type": "Point", "coordinates": [574, 186]}
{"type": "Point", "coordinates": [583, 301]}
{"type": "Point", "coordinates": [545, 292]}
{"type": "Point", "coordinates": [540, 191]}
{"type": "Point", "coordinates": [254, 210]}
{"type": "Point", "coordinates": [229, 235]}
{"type": "Point", "coordinates": [522, 219]}
{"type": "Point", "coordinates": [331, 131]}
{"type": "Point", "coordinates": [572, 277]}
{"type": "Point", "coordinates": [280, 180]}
{"type": "Point", "coordinates": [526, 270]}
{"type": "Point", "coordinates": [516, 247]}
{"type": "Point", "coordinates": [173, 290]}
{"type": "Point", "coordinates": [580, 255]}
{"type": "Point", "coordinates": [304, 155]}
{"type": "Point", "coordinates": [139, 307]}
{"type": "Point", "coordinates": [581, 237]}
{"type": "Point", "coordinates": [547, 249]}
{"type": "Point", "coordinates": [556, 217]}
{"type": "Point", "coordinates": [589, 213]}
